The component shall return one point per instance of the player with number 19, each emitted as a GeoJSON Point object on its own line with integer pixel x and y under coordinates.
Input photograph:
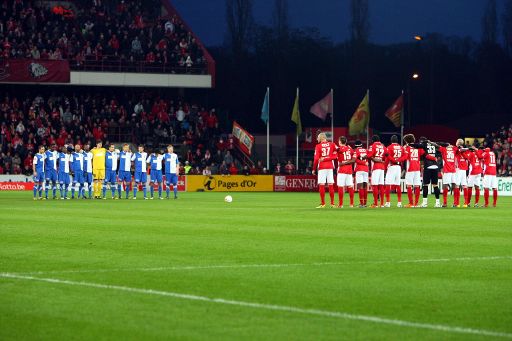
{"type": "Point", "coordinates": [376, 153]}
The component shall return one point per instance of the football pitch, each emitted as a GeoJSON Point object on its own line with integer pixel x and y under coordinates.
{"type": "Point", "coordinates": [267, 266]}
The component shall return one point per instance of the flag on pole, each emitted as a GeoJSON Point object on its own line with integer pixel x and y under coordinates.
{"type": "Point", "coordinates": [359, 121]}
{"type": "Point", "coordinates": [296, 114]}
{"type": "Point", "coordinates": [395, 112]}
{"type": "Point", "coordinates": [323, 107]}
{"type": "Point", "coordinates": [265, 109]}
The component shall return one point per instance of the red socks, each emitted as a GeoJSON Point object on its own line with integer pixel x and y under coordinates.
{"type": "Point", "coordinates": [375, 191]}
{"type": "Point", "coordinates": [331, 193]}
{"type": "Point", "coordinates": [340, 195]}
{"type": "Point", "coordinates": [409, 196]}
{"type": "Point", "coordinates": [417, 192]}
{"type": "Point", "coordinates": [361, 196]}
{"type": "Point", "coordinates": [470, 194]}
{"type": "Point", "coordinates": [382, 193]}
{"type": "Point", "coordinates": [456, 196]}
{"type": "Point", "coordinates": [388, 192]}
{"type": "Point", "coordinates": [466, 196]}
{"type": "Point", "coordinates": [445, 196]}
{"type": "Point", "coordinates": [486, 196]}
{"type": "Point", "coordinates": [494, 196]}
{"type": "Point", "coordinates": [477, 194]}
{"type": "Point", "coordinates": [321, 189]}
{"type": "Point", "coordinates": [398, 193]}
{"type": "Point", "coordinates": [351, 195]}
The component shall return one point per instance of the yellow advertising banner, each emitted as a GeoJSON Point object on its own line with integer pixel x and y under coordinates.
{"type": "Point", "coordinates": [234, 183]}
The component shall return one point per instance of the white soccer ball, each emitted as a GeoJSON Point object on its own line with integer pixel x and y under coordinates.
{"type": "Point", "coordinates": [228, 198]}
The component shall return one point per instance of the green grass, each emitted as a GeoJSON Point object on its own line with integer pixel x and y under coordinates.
{"type": "Point", "coordinates": [39, 239]}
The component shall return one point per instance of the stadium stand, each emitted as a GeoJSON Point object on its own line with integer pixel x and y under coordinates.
{"type": "Point", "coordinates": [500, 142]}
{"type": "Point", "coordinates": [114, 116]}
{"type": "Point", "coordinates": [129, 36]}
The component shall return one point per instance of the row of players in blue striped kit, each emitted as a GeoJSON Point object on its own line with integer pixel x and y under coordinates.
{"type": "Point", "coordinates": [140, 160]}
{"type": "Point", "coordinates": [53, 169]}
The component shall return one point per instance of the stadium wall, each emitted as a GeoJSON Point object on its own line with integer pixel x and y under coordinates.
{"type": "Point", "coordinates": [234, 183]}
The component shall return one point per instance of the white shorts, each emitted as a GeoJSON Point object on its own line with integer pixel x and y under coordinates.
{"type": "Point", "coordinates": [490, 181]}
{"type": "Point", "coordinates": [460, 178]}
{"type": "Point", "coordinates": [413, 178]}
{"type": "Point", "coordinates": [378, 177]}
{"type": "Point", "coordinates": [361, 177]}
{"type": "Point", "coordinates": [325, 176]}
{"type": "Point", "coordinates": [345, 180]}
{"type": "Point", "coordinates": [449, 178]}
{"type": "Point", "coordinates": [475, 180]}
{"type": "Point", "coordinates": [393, 175]}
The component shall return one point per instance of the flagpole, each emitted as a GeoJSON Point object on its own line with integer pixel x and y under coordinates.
{"type": "Point", "coordinates": [332, 114]}
{"type": "Point", "coordinates": [297, 137]}
{"type": "Point", "coordinates": [368, 121]}
{"type": "Point", "coordinates": [268, 130]}
{"type": "Point", "coordinates": [402, 120]}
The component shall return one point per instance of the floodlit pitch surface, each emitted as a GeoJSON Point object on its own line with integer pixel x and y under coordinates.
{"type": "Point", "coordinates": [267, 266]}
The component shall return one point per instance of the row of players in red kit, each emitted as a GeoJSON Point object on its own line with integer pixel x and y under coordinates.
{"type": "Point", "coordinates": [386, 171]}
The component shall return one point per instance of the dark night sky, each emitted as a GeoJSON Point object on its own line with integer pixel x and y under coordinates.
{"type": "Point", "coordinates": [391, 20]}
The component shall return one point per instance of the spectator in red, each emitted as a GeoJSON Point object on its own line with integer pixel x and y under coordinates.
{"type": "Point", "coordinates": [98, 134]}
{"type": "Point", "coordinates": [289, 168]}
{"type": "Point", "coordinates": [233, 170]}
{"type": "Point", "coordinates": [150, 58]}
{"type": "Point", "coordinates": [114, 43]}
{"type": "Point", "coordinates": [211, 120]}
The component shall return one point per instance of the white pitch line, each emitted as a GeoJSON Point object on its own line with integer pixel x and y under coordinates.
{"type": "Point", "coordinates": [263, 306]}
{"type": "Point", "coordinates": [278, 265]}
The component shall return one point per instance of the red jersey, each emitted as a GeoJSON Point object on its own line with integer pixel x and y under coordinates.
{"type": "Point", "coordinates": [448, 159]}
{"type": "Point", "coordinates": [326, 150]}
{"type": "Point", "coordinates": [476, 164]}
{"type": "Point", "coordinates": [462, 162]}
{"type": "Point", "coordinates": [345, 153]}
{"type": "Point", "coordinates": [395, 153]}
{"type": "Point", "coordinates": [360, 154]}
{"type": "Point", "coordinates": [377, 150]}
{"type": "Point", "coordinates": [490, 163]}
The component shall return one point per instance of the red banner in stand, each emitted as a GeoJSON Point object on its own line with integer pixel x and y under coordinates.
{"type": "Point", "coordinates": [245, 140]}
{"type": "Point", "coordinates": [35, 71]}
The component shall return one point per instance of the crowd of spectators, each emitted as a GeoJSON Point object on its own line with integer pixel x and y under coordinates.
{"type": "Point", "coordinates": [129, 116]}
{"type": "Point", "coordinates": [126, 35]}
{"type": "Point", "coordinates": [500, 142]}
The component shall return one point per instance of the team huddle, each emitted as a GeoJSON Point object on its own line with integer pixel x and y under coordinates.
{"type": "Point", "coordinates": [462, 168]}
{"type": "Point", "coordinates": [87, 172]}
